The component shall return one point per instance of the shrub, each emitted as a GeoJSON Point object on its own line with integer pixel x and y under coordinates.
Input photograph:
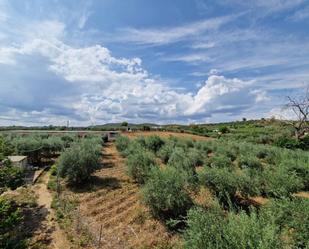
{"type": "Point", "coordinates": [184, 163]}
{"type": "Point", "coordinates": [139, 165]}
{"type": "Point", "coordinates": [195, 156]}
{"type": "Point", "coordinates": [220, 161]}
{"type": "Point", "coordinates": [222, 181]}
{"type": "Point", "coordinates": [165, 193]}
{"type": "Point", "coordinates": [153, 143]}
{"type": "Point", "coordinates": [6, 148]}
{"type": "Point", "coordinates": [54, 170]}
{"type": "Point", "coordinates": [249, 162]}
{"type": "Point", "coordinates": [280, 183]}
{"type": "Point", "coordinates": [224, 129]}
{"type": "Point", "coordinates": [10, 176]}
{"type": "Point", "coordinates": [287, 142]}
{"type": "Point", "coordinates": [211, 229]}
{"type": "Point", "coordinates": [266, 154]}
{"type": "Point", "coordinates": [165, 152]}
{"type": "Point", "coordinates": [122, 143]}
{"type": "Point", "coordinates": [291, 215]}
{"type": "Point", "coordinates": [10, 217]}
{"type": "Point", "coordinates": [78, 162]}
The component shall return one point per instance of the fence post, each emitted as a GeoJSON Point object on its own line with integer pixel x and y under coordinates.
{"type": "Point", "coordinates": [78, 220]}
{"type": "Point", "coordinates": [99, 244]}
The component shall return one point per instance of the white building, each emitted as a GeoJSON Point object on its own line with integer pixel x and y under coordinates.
{"type": "Point", "coordinates": [19, 161]}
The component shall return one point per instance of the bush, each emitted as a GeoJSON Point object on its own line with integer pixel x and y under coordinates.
{"type": "Point", "coordinates": [10, 176]}
{"type": "Point", "coordinates": [153, 143]}
{"type": "Point", "coordinates": [139, 165]}
{"type": "Point", "coordinates": [165, 193]}
{"type": "Point", "coordinates": [221, 181]}
{"type": "Point", "coordinates": [6, 148]}
{"type": "Point", "coordinates": [287, 142]}
{"type": "Point", "coordinates": [249, 162]}
{"type": "Point", "coordinates": [195, 156]}
{"type": "Point", "coordinates": [54, 170]}
{"type": "Point", "coordinates": [10, 217]}
{"type": "Point", "coordinates": [224, 129]}
{"type": "Point", "coordinates": [220, 161]}
{"type": "Point", "coordinates": [281, 183]}
{"type": "Point", "coordinates": [165, 152]}
{"type": "Point", "coordinates": [184, 163]}
{"type": "Point", "coordinates": [122, 143]}
{"type": "Point", "coordinates": [211, 229]}
{"type": "Point", "coordinates": [78, 162]}
{"type": "Point", "coordinates": [291, 215]}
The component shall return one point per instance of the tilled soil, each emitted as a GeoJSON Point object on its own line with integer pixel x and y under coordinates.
{"type": "Point", "coordinates": [116, 208]}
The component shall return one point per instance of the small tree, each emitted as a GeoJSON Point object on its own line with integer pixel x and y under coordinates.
{"type": "Point", "coordinates": [80, 161]}
{"type": "Point", "coordinates": [300, 107]}
{"type": "Point", "coordinates": [140, 164]}
{"type": "Point", "coordinates": [124, 123]}
{"type": "Point", "coordinates": [165, 193]}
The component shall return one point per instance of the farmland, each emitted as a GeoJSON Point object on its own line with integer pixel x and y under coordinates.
{"type": "Point", "coordinates": [159, 189]}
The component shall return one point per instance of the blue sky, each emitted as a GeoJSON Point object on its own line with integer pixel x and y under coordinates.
{"type": "Point", "coordinates": [163, 61]}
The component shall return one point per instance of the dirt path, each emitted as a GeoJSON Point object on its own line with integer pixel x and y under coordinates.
{"type": "Point", "coordinates": [115, 205]}
{"type": "Point", "coordinates": [58, 237]}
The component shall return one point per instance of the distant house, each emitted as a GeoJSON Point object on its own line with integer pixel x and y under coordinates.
{"type": "Point", "coordinates": [19, 161]}
{"type": "Point", "coordinates": [112, 135]}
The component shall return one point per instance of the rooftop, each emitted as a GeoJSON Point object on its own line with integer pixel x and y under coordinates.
{"type": "Point", "coordinates": [17, 158]}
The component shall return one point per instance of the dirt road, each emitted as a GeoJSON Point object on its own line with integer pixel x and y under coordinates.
{"type": "Point", "coordinates": [57, 236]}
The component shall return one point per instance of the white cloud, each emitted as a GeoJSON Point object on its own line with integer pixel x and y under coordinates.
{"type": "Point", "coordinates": [174, 34]}
{"type": "Point", "coordinates": [111, 89]}
{"type": "Point", "coordinates": [189, 58]}
{"type": "Point", "coordinates": [215, 94]}
{"type": "Point", "coordinates": [300, 14]}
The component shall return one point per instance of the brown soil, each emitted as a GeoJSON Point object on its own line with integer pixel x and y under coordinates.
{"type": "Point", "coordinates": [115, 205]}
{"type": "Point", "coordinates": [57, 236]}
{"type": "Point", "coordinates": [165, 134]}
{"type": "Point", "coordinates": [302, 194]}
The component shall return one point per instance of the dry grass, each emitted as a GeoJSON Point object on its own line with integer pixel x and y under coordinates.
{"type": "Point", "coordinates": [165, 134]}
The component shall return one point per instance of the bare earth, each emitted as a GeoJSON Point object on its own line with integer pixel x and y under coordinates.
{"type": "Point", "coordinates": [126, 223]}
{"type": "Point", "coordinates": [165, 134]}
{"type": "Point", "coordinates": [58, 237]}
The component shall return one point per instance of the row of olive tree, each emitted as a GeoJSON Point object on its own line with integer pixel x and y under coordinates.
{"type": "Point", "coordinates": [78, 162]}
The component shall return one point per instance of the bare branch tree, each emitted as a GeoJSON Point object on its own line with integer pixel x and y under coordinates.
{"type": "Point", "coordinates": [300, 107]}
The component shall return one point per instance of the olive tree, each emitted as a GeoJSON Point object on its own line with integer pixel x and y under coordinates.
{"type": "Point", "coordinates": [78, 162]}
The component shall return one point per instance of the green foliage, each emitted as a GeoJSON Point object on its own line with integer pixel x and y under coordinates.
{"type": "Point", "coordinates": [54, 170]}
{"type": "Point", "coordinates": [220, 161]}
{"type": "Point", "coordinates": [184, 163]}
{"type": "Point", "coordinates": [6, 148]}
{"type": "Point", "coordinates": [10, 217]}
{"type": "Point", "coordinates": [27, 144]}
{"type": "Point", "coordinates": [122, 143]}
{"type": "Point", "coordinates": [139, 165]}
{"type": "Point", "coordinates": [153, 143]}
{"type": "Point", "coordinates": [224, 129]}
{"type": "Point", "coordinates": [124, 123]}
{"type": "Point", "coordinates": [78, 162]}
{"type": "Point", "coordinates": [165, 193]}
{"type": "Point", "coordinates": [165, 152]}
{"type": "Point", "coordinates": [222, 181]}
{"type": "Point", "coordinates": [10, 176]}
{"type": "Point", "coordinates": [251, 162]}
{"type": "Point", "coordinates": [287, 142]}
{"type": "Point", "coordinates": [280, 183]}
{"type": "Point", "coordinates": [291, 215]}
{"type": "Point", "coordinates": [211, 229]}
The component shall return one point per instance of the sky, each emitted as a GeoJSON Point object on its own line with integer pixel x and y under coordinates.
{"type": "Point", "coordinates": [161, 61]}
